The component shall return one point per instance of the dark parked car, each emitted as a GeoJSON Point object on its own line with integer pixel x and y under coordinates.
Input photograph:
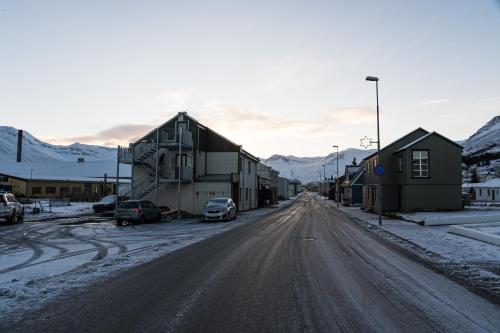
{"type": "Point", "coordinates": [137, 211]}
{"type": "Point", "coordinates": [108, 203]}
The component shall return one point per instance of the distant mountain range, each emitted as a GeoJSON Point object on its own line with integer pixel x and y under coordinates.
{"type": "Point", "coordinates": [485, 142]}
{"type": "Point", "coordinates": [35, 150]}
{"type": "Point", "coordinates": [308, 169]}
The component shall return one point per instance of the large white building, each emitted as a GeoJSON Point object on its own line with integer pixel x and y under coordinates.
{"type": "Point", "coordinates": [183, 159]}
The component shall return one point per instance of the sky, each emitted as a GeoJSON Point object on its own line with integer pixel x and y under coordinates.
{"type": "Point", "coordinates": [278, 77]}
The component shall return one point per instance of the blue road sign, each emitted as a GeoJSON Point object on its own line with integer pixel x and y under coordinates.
{"type": "Point", "coordinates": [379, 170]}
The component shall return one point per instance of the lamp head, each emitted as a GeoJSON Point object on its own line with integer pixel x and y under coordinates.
{"type": "Point", "coordinates": [371, 78]}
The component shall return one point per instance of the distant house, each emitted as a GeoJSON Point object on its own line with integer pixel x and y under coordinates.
{"type": "Point", "coordinates": [488, 191]}
{"type": "Point", "coordinates": [294, 187]}
{"type": "Point", "coordinates": [185, 162]}
{"type": "Point", "coordinates": [352, 186]}
{"type": "Point", "coordinates": [422, 172]}
{"type": "Point", "coordinates": [83, 181]}
{"type": "Point", "coordinates": [283, 189]}
{"type": "Point", "coordinates": [268, 183]}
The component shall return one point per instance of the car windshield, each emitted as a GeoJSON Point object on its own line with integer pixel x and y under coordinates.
{"type": "Point", "coordinates": [109, 198]}
{"type": "Point", "coordinates": [130, 204]}
{"type": "Point", "coordinates": [217, 202]}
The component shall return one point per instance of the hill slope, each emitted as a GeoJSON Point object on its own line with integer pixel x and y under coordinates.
{"type": "Point", "coordinates": [485, 140]}
{"type": "Point", "coordinates": [35, 150]}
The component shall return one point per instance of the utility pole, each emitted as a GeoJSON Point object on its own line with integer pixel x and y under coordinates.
{"type": "Point", "coordinates": [179, 175]}
{"type": "Point", "coordinates": [324, 179]}
{"type": "Point", "coordinates": [117, 179]}
{"type": "Point", "coordinates": [157, 162]}
{"type": "Point", "coordinates": [337, 194]}
{"type": "Point", "coordinates": [379, 177]}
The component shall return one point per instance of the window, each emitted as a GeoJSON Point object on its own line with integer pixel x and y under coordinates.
{"type": "Point", "coordinates": [489, 194]}
{"type": "Point", "coordinates": [36, 190]}
{"type": "Point", "coordinates": [249, 167]}
{"type": "Point", "coordinates": [4, 179]}
{"type": "Point", "coordinates": [400, 163]}
{"type": "Point", "coordinates": [420, 164]}
{"type": "Point", "coordinates": [246, 194]}
{"type": "Point", "coordinates": [76, 190]}
{"type": "Point", "coordinates": [50, 190]}
{"type": "Point", "coordinates": [183, 160]}
{"type": "Point", "coordinates": [480, 192]}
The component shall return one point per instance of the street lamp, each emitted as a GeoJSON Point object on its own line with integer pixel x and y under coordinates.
{"type": "Point", "coordinates": [379, 176]}
{"type": "Point", "coordinates": [337, 180]}
{"type": "Point", "coordinates": [324, 180]}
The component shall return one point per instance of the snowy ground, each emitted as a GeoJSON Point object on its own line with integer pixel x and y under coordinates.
{"type": "Point", "coordinates": [73, 210]}
{"type": "Point", "coordinates": [39, 261]}
{"type": "Point", "coordinates": [466, 260]}
{"type": "Point", "coordinates": [470, 213]}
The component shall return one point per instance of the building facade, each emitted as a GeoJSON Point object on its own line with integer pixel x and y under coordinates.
{"type": "Point", "coordinates": [422, 172]}
{"type": "Point", "coordinates": [182, 164]}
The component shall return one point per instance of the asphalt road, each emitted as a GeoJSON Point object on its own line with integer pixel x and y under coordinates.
{"type": "Point", "coordinates": [304, 268]}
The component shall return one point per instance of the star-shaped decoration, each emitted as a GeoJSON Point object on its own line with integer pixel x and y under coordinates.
{"type": "Point", "coordinates": [366, 142]}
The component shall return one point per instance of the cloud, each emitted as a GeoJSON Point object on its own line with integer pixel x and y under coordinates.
{"type": "Point", "coordinates": [231, 118]}
{"type": "Point", "coordinates": [112, 136]}
{"type": "Point", "coordinates": [176, 100]}
{"type": "Point", "coordinates": [353, 115]}
{"type": "Point", "coordinates": [437, 101]}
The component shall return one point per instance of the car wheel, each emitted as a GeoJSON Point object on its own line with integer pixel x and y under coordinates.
{"type": "Point", "coordinates": [142, 220]}
{"type": "Point", "coordinates": [158, 218]}
{"type": "Point", "coordinates": [13, 218]}
{"type": "Point", "coordinates": [119, 223]}
{"type": "Point", "coordinates": [21, 216]}
{"type": "Point", "coordinates": [228, 217]}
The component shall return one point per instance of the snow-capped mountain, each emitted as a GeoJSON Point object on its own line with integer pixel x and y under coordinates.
{"type": "Point", "coordinates": [308, 169]}
{"type": "Point", "coordinates": [485, 140]}
{"type": "Point", "coordinates": [35, 150]}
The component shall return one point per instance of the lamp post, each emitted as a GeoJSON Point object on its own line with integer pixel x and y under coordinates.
{"type": "Point", "coordinates": [324, 180]}
{"type": "Point", "coordinates": [31, 182]}
{"type": "Point", "coordinates": [379, 177]}
{"type": "Point", "coordinates": [337, 180]}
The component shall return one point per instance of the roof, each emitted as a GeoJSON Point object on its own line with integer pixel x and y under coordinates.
{"type": "Point", "coordinates": [422, 138]}
{"type": "Point", "coordinates": [354, 179]}
{"type": "Point", "coordinates": [247, 154]}
{"type": "Point", "coordinates": [492, 183]}
{"type": "Point", "coordinates": [392, 143]}
{"type": "Point", "coordinates": [64, 171]}
{"type": "Point", "coordinates": [352, 168]}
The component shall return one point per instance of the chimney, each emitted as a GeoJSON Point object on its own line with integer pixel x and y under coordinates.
{"type": "Point", "coordinates": [19, 145]}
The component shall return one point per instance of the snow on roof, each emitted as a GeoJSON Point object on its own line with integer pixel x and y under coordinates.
{"type": "Point", "coordinates": [492, 183]}
{"type": "Point", "coordinates": [87, 171]}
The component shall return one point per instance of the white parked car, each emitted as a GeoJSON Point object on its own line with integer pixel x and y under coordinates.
{"type": "Point", "coordinates": [10, 209]}
{"type": "Point", "coordinates": [219, 209]}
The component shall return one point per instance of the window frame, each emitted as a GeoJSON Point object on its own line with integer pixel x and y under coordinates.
{"type": "Point", "coordinates": [400, 163]}
{"type": "Point", "coordinates": [428, 164]}
{"type": "Point", "coordinates": [48, 190]}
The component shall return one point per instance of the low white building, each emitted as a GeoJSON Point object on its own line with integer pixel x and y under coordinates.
{"type": "Point", "coordinates": [488, 191]}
